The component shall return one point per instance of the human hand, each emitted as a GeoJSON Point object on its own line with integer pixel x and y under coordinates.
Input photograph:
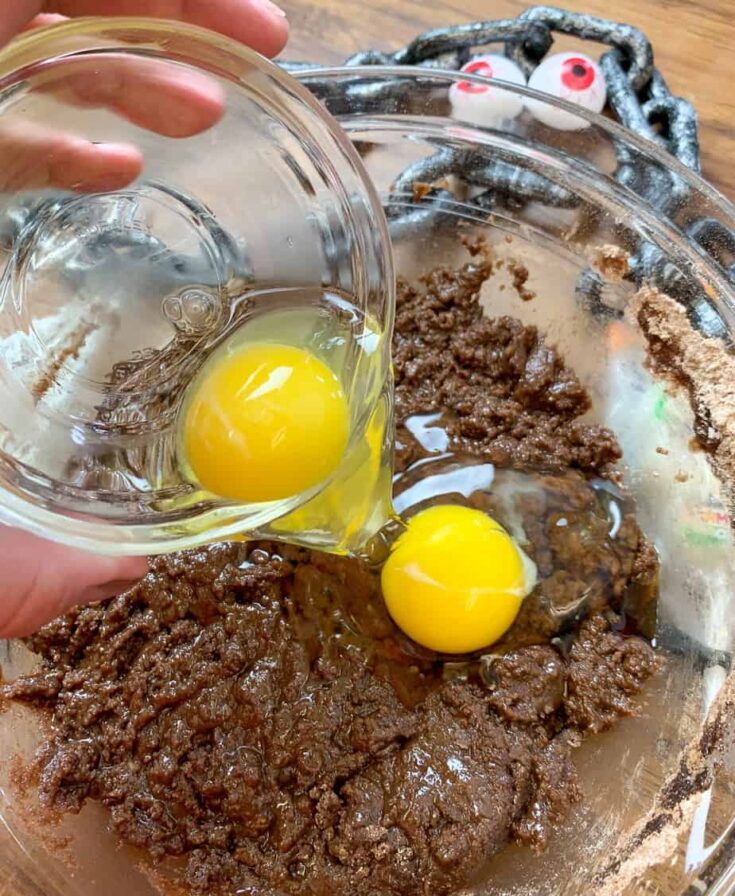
{"type": "Point", "coordinates": [41, 580]}
{"type": "Point", "coordinates": [150, 93]}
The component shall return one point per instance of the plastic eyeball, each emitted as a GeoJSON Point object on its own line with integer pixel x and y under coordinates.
{"type": "Point", "coordinates": [483, 104]}
{"type": "Point", "coordinates": [572, 77]}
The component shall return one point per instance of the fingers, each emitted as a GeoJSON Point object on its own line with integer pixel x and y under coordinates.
{"type": "Point", "coordinates": [43, 20]}
{"type": "Point", "coordinates": [41, 580]}
{"type": "Point", "coordinates": [152, 94]}
{"type": "Point", "coordinates": [33, 157]}
{"type": "Point", "coordinates": [155, 95]}
{"type": "Point", "coordinates": [259, 24]}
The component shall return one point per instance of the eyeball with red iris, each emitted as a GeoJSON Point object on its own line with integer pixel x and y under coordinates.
{"type": "Point", "coordinates": [483, 104]}
{"type": "Point", "coordinates": [572, 77]}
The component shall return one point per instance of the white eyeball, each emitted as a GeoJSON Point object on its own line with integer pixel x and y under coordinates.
{"type": "Point", "coordinates": [483, 104]}
{"type": "Point", "coordinates": [572, 77]}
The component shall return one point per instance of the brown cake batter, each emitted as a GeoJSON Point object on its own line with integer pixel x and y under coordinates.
{"type": "Point", "coordinates": [252, 710]}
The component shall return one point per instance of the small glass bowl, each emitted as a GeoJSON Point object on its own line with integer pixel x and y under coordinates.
{"type": "Point", "coordinates": [245, 196]}
{"type": "Point", "coordinates": [400, 117]}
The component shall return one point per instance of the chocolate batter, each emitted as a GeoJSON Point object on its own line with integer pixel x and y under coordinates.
{"type": "Point", "coordinates": [252, 710]}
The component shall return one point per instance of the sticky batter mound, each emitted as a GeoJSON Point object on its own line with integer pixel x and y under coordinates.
{"type": "Point", "coordinates": [252, 710]}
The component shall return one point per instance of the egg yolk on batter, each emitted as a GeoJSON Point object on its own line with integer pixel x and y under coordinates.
{"type": "Point", "coordinates": [264, 422]}
{"type": "Point", "coordinates": [455, 579]}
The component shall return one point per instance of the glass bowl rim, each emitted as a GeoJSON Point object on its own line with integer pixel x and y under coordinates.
{"type": "Point", "coordinates": [125, 538]}
{"type": "Point", "coordinates": [613, 128]}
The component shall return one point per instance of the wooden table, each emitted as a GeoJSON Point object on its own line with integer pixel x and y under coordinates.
{"type": "Point", "coordinates": [693, 44]}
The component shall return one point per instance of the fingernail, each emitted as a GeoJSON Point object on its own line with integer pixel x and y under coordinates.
{"type": "Point", "coordinates": [271, 8]}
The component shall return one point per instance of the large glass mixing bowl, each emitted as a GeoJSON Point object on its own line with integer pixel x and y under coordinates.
{"type": "Point", "coordinates": [654, 819]}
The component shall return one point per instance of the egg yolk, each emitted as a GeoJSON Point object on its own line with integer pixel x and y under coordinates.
{"type": "Point", "coordinates": [455, 579]}
{"type": "Point", "coordinates": [264, 422]}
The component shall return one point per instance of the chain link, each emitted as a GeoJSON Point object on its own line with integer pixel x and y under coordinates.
{"type": "Point", "coordinates": [633, 45]}
{"type": "Point", "coordinates": [426, 49]}
{"type": "Point", "coordinates": [637, 94]}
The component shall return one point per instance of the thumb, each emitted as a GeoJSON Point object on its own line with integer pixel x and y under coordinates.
{"type": "Point", "coordinates": [41, 580]}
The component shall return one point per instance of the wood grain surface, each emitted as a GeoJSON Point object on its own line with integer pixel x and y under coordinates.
{"type": "Point", "coordinates": [693, 43]}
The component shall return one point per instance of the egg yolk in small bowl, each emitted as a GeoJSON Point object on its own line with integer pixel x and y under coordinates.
{"type": "Point", "coordinates": [264, 422]}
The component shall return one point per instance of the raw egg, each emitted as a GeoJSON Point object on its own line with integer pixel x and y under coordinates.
{"type": "Point", "coordinates": [264, 422]}
{"type": "Point", "coordinates": [455, 579]}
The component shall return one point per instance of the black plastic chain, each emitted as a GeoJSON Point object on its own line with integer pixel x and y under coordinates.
{"type": "Point", "coordinates": [637, 93]}
{"type": "Point", "coordinates": [638, 97]}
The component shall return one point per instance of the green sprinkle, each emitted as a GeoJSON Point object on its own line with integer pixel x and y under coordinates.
{"type": "Point", "coordinates": [699, 538]}
{"type": "Point", "coordinates": [659, 409]}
